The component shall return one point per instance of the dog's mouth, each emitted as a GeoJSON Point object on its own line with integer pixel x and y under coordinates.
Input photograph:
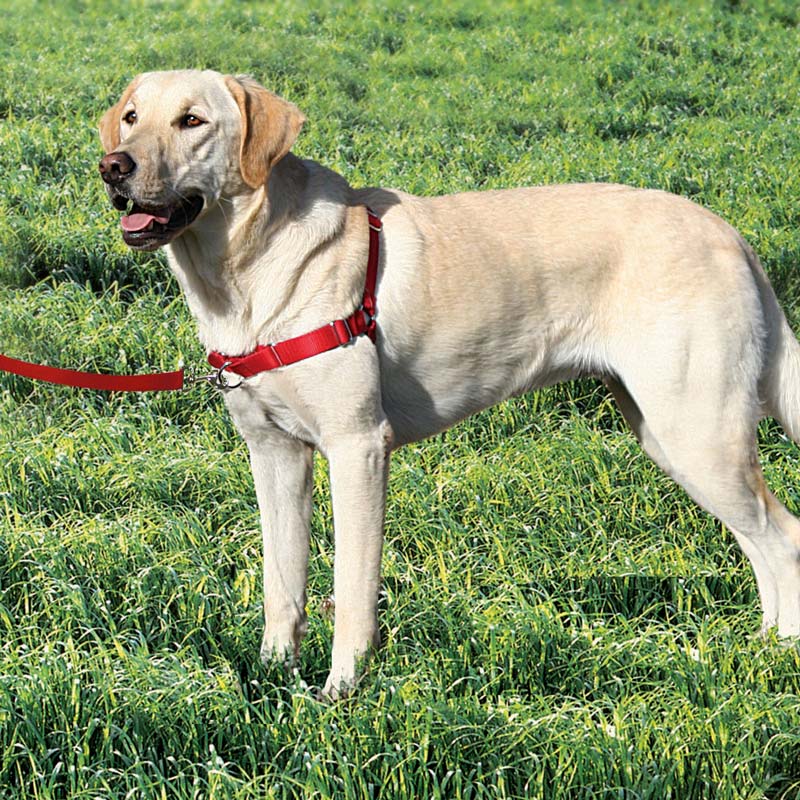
{"type": "Point", "coordinates": [148, 228]}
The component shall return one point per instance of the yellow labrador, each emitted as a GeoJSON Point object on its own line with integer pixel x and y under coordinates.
{"type": "Point", "coordinates": [480, 296]}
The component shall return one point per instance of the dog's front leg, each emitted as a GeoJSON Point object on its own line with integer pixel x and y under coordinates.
{"type": "Point", "coordinates": [283, 474]}
{"type": "Point", "coordinates": [359, 468]}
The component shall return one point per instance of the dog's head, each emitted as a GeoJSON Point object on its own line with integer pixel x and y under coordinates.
{"type": "Point", "coordinates": [178, 142]}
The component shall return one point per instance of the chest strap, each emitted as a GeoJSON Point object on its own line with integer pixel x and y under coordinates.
{"type": "Point", "coordinates": [335, 334]}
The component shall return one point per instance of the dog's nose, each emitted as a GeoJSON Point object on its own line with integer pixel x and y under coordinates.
{"type": "Point", "coordinates": [115, 167]}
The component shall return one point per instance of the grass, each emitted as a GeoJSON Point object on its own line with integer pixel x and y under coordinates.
{"type": "Point", "coordinates": [560, 621]}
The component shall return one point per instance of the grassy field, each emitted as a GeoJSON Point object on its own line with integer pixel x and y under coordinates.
{"type": "Point", "coordinates": [560, 620]}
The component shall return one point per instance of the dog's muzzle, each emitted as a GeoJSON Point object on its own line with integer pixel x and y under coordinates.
{"type": "Point", "coordinates": [145, 226]}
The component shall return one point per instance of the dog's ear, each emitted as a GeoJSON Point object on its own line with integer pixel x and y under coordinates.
{"type": "Point", "coordinates": [109, 123]}
{"type": "Point", "coordinates": [270, 126]}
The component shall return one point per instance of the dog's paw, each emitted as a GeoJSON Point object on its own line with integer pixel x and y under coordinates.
{"type": "Point", "coordinates": [348, 667]}
{"type": "Point", "coordinates": [279, 648]}
{"type": "Point", "coordinates": [337, 688]}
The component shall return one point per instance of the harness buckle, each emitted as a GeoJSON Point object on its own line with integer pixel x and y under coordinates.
{"type": "Point", "coordinates": [368, 317]}
{"type": "Point", "coordinates": [350, 334]}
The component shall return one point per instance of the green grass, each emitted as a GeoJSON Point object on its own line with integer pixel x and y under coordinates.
{"type": "Point", "coordinates": [560, 621]}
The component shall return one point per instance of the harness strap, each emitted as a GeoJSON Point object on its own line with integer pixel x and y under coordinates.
{"type": "Point", "coordinates": [335, 334]}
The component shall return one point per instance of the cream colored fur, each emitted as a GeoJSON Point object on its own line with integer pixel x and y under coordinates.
{"type": "Point", "coordinates": [480, 296]}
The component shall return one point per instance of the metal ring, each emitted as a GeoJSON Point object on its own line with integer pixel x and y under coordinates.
{"type": "Point", "coordinates": [221, 380]}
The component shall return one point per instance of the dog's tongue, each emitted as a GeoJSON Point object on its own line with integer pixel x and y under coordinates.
{"type": "Point", "coordinates": [141, 221]}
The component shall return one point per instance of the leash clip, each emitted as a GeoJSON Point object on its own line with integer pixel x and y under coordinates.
{"type": "Point", "coordinates": [218, 379]}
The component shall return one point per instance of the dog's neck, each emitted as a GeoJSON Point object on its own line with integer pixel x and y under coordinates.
{"type": "Point", "coordinates": [253, 267]}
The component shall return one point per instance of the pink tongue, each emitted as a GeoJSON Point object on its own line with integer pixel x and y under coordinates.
{"type": "Point", "coordinates": [141, 221]}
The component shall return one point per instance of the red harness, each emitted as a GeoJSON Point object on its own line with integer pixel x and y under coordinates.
{"type": "Point", "coordinates": [335, 334]}
{"type": "Point", "coordinates": [263, 358]}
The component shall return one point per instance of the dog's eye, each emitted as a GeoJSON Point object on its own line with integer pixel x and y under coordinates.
{"type": "Point", "coordinates": [191, 121]}
{"type": "Point", "coordinates": [129, 118]}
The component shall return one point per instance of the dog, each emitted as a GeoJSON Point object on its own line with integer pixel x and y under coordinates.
{"type": "Point", "coordinates": [479, 296]}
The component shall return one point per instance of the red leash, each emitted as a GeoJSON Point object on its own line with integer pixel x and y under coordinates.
{"type": "Point", "coordinates": [335, 334]}
{"type": "Point", "coordinates": [157, 382]}
{"type": "Point", "coordinates": [263, 358]}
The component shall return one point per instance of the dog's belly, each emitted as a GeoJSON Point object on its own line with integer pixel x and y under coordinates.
{"type": "Point", "coordinates": [426, 396]}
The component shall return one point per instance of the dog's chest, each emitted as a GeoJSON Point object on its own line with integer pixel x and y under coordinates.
{"type": "Point", "coordinates": [259, 408]}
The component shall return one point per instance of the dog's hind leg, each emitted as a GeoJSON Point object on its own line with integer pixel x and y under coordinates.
{"type": "Point", "coordinates": [634, 418]}
{"type": "Point", "coordinates": [764, 578]}
{"type": "Point", "coordinates": [703, 436]}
